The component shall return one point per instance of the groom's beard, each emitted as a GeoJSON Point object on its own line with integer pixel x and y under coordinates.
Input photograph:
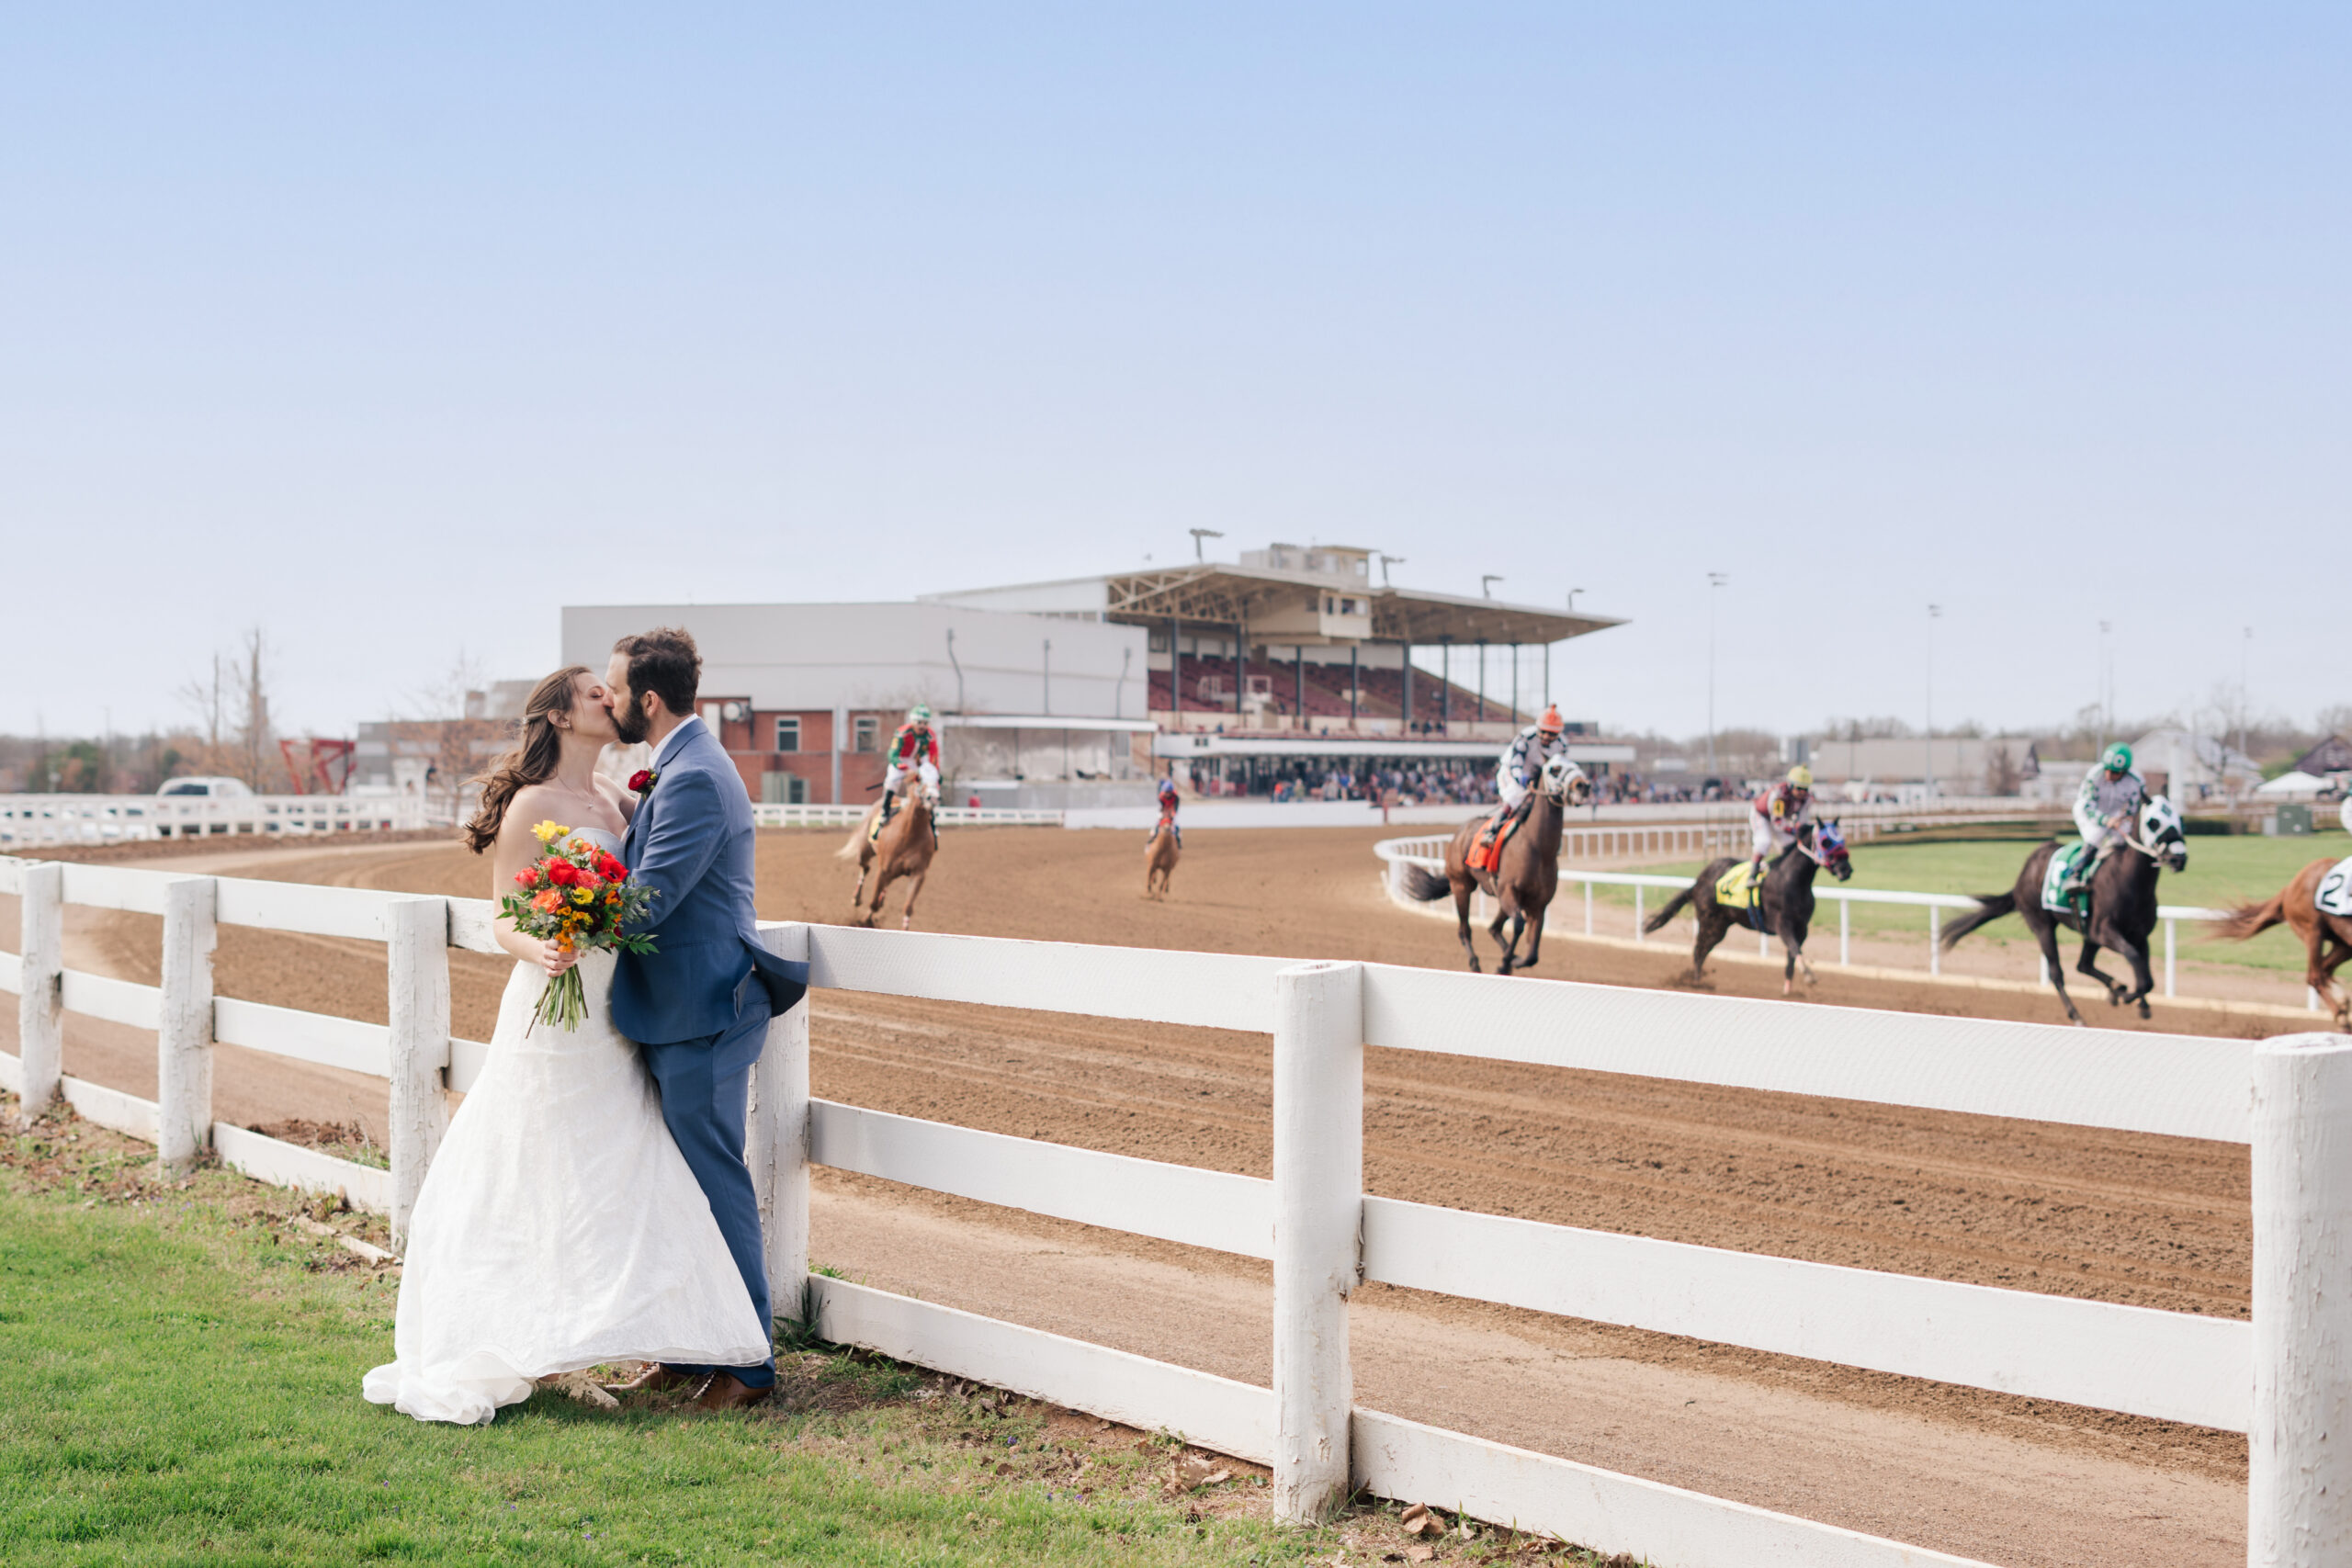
{"type": "Point", "coordinates": [628, 721]}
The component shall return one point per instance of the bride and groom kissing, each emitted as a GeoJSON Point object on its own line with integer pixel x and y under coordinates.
{"type": "Point", "coordinates": [589, 1203]}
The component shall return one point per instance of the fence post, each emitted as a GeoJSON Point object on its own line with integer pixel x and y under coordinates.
{"type": "Point", "coordinates": [1845, 931]}
{"type": "Point", "coordinates": [1935, 943]}
{"type": "Point", "coordinates": [777, 1139]}
{"type": "Point", "coordinates": [1637, 913]}
{"type": "Point", "coordinates": [40, 1002]}
{"type": "Point", "coordinates": [1588, 908]}
{"type": "Point", "coordinates": [2169, 927]}
{"type": "Point", "coordinates": [2299, 1466]}
{"type": "Point", "coordinates": [417, 953]}
{"type": "Point", "coordinates": [1318, 1208]}
{"type": "Point", "coordinates": [184, 1043]}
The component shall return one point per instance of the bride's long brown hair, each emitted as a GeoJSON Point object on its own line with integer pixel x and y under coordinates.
{"type": "Point", "coordinates": [531, 760]}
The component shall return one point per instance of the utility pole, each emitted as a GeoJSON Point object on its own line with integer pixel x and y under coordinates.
{"type": "Point", "coordinates": [1715, 580]}
{"type": "Point", "coordinates": [2105, 685]}
{"type": "Point", "coordinates": [1385, 562]}
{"type": "Point", "coordinates": [1200, 534]}
{"type": "Point", "coordinates": [2245, 648]}
{"type": "Point", "coordinates": [1935, 613]}
{"type": "Point", "coordinates": [1486, 584]}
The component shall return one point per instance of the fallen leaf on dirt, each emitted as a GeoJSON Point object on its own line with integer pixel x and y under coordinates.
{"type": "Point", "coordinates": [1419, 1554]}
{"type": "Point", "coordinates": [1417, 1520]}
{"type": "Point", "coordinates": [1193, 1473]}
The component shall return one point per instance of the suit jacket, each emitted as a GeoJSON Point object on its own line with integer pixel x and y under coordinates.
{"type": "Point", "coordinates": [691, 843]}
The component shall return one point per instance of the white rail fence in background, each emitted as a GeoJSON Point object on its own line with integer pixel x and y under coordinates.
{"type": "Point", "coordinates": [769, 815]}
{"type": "Point", "coordinates": [1428, 853]}
{"type": "Point", "coordinates": [30, 819]}
{"type": "Point", "coordinates": [2280, 1378]}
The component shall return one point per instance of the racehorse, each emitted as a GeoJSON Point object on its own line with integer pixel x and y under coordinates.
{"type": "Point", "coordinates": [903, 847]}
{"type": "Point", "coordinates": [1522, 885]}
{"type": "Point", "coordinates": [1788, 899]}
{"type": "Point", "coordinates": [1160, 854]}
{"type": "Point", "coordinates": [2327, 939]}
{"type": "Point", "coordinates": [2122, 906]}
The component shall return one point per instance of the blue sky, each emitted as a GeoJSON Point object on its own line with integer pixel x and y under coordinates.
{"type": "Point", "coordinates": [393, 333]}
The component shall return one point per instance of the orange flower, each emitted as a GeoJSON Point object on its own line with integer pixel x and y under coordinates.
{"type": "Point", "coordinates": [549, 900]}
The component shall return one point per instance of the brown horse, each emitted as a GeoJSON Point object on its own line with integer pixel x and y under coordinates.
{"type": "Point", "coordinates": [1161, 852]}
{"type": "Point", "coordinates": [903, 847]}
{"type": "Point", "coordinates": [1529, 873]}
{"type": "Point", "coordinates": [2326, 939]}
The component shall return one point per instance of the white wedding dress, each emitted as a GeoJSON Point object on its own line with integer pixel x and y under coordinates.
{"type": "Point", "coordinates": [559, 1226]}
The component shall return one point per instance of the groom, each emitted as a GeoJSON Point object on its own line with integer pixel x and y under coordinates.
{"type": "Point", "coordinates": [699, 1003]}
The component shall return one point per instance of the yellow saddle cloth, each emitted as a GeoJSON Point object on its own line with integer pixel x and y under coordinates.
{"type": "Point", "coordinates": [1739, 889]}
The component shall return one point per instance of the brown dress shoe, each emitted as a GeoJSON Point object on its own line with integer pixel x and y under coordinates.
{"type": "Point", "coordinates": [726, 1393]}
{"type": "Point", "coordinates": [653, 1378]}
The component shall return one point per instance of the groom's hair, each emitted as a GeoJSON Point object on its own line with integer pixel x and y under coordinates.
{"type": "Point", "coordinates": [665, 662]}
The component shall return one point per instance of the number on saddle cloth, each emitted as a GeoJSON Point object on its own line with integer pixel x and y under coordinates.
{"type": "Point", "coordinates": [2055, 899]}
{"type": "Point", "coordinates": [1742, 891]}
{"type": "Point", "coordinates": [2334, 895]}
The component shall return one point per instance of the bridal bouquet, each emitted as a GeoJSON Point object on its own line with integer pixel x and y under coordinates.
{"type": "Point", "coordinates": [577, 896]}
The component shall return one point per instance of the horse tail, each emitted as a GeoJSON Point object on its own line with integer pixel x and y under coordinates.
{"type": "Point", "coordinates": [1673, 906]}
{"type": "Point", "coordinates": [2248, 919]}
{"type": "Point", "coordinates": [854, 845]}
{"type": "Point", "coordinates": [1424, 885]}
{"type": "Point", "coordinates": [1990, 907]}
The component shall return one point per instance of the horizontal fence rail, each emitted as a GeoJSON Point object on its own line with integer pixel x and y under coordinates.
{"type": "Point", "coordinates": [33, 819]}
{"type": "Point", "coordinates": [2172, 1365]}
{"type": "Point", "coordinates": [767, 814]}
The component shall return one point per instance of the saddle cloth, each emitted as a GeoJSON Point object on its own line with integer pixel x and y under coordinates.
{"type": "Point", "coordinates": [1742, 892]}
{"type": "Point", "coordinates": [2054, 876]}
{"type": "Point", "coordinates": [2334, 896]}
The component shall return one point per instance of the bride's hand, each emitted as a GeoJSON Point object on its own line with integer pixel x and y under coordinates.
{"type": "Point", "coordinates": [555, 960]}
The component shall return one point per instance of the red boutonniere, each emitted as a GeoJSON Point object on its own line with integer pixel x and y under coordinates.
{"type": "Point", "coordinates": [643, 780]}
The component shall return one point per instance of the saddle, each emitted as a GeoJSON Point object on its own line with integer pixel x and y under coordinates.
{"type": "Point", "coordinates": [2334, 895]}
{"type": "Point", "coordinates": [1741, 891]}
{"type": "Point", "coordinates": [1486, 850]}
{"type": "Point", "coordinates": [2054, 878]}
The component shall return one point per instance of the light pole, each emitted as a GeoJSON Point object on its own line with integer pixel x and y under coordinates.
{"type": "Point", "coordinates": [1486, 584]}
{"type": "Point", "coordinates": [1715, 580]}
{"type": "Point", "coordinates": [1200, 534]}
{"type": "Point", "coordinates": [2105, 685]}
{"type": "Point", "coordinates": [1385, 562]}
{"type": "Point", "coordinates": [2245, 648]}
{"type": "Point", "coordinates": [1935, 613]}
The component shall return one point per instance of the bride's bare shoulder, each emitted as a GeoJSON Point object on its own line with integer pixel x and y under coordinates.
{"type": "Point", "coordinates": [532, 805]}
{"type": "Point", "coordinates": [619, 800]}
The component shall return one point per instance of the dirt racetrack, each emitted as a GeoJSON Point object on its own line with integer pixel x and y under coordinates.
{"type": "Point", "coordinates": [2153, 1222]}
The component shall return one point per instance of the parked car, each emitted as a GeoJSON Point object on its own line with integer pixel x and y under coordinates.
{"type": "Point", "coordinates": [216, 789]}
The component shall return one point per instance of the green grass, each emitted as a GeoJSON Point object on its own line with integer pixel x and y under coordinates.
{"type": "Point", "coordinates": [179, 1382]}
{"type": "Point", "coordinates": [2222, 871]}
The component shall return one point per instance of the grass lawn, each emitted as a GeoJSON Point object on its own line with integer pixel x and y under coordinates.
{"type": "Point", "coordinates": [179, 1382]}
{"type": "Point", "coordinates": [2222, 872]}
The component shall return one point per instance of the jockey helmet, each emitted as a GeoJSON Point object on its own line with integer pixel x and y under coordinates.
{"type": "Point", "coordinates": [1167, 788]}
{"type": "Point", "coordinates": [2116, 759]}
{"type": "Point", "coordinates": [1550, 723]}
{"type": "Point", "coordinates": [918, 713]}
{"type": "Point", "coordinates": [1801, 777]}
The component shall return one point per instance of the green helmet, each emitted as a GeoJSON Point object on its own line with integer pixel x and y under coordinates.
{"type": "Point", "coordinates": [2116, 759]}
{"type": "Point", "coordinates": [920, 713]}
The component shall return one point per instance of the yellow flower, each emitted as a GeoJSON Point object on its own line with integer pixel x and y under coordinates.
{"type": "Point", "coordinates": [547, 832]}
{"type": "Point", "coordinates": [580, 895]}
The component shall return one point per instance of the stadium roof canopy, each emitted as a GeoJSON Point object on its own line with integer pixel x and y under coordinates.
{"type": "Point", "coordinates": [1285, 604]}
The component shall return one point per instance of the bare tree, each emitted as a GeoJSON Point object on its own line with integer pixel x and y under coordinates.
{"type": "Point", "coordinates": [256, 734]}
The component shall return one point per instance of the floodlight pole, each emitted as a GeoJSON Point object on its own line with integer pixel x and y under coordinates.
{"type": "Point", "coordinates": [1935, 613]}
{"type": "Point", "coordinates": [1715, 580]}
{"type": "Point", "coordinates": [1199, 556]}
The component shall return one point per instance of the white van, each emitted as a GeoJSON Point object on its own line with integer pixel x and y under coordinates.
{"type": "Point", "coordinates": [215, 789]}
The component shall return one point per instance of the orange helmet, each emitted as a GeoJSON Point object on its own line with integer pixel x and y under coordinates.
{"type": "Point", "coordinates": [1550, 723]}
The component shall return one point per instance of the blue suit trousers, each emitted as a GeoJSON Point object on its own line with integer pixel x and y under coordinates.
{"type": "Point", "coordinates": [706, 1087]}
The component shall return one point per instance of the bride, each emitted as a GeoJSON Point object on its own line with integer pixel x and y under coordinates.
{"type": "Point", "coordinates": [558, 1227]}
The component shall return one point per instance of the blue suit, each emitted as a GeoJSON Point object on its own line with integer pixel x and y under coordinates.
{"type": "Point", "coordinates": [699, 1004]}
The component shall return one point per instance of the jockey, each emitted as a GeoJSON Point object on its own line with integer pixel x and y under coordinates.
{"type": "Point", "coordinates": [915, 746]}
{"type": "Point", "coordinates": [1780, 812]}
{"type": "Point", "coordinates": [1516, 772]}
{"type": "Point", "coordinates": [2104, 808]}
{"type": "Point", "coordinates": [1167, 813]}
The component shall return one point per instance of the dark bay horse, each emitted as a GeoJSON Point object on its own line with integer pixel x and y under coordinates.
{"type": "Point", "coordinates": [1529, 875]}
{"type": "Point", "coordinates": [902, 849]}
{"type": "Point", "coordinates": [1788, 899]}
{"type": "Point", "coordinates": [2326, 939]}
{"type": "Point", "coordinates": [2122, 906]}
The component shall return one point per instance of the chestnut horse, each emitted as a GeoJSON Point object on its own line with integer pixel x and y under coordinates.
{"type": "Point", "coordinates": [1161, 852]}
{"type": "Point", "coordinates": [1529, 873]}
{"type": "Point", "coordinates": [904, 848]}
{"type": "Point", "coordinates": [2326, 939]}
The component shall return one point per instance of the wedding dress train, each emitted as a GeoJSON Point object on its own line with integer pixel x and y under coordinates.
{"type": "Point", "coordinates": [558, 1227]}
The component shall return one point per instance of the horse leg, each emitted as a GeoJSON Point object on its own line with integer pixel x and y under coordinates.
{"type": "Point", "coordinates": [881, 891]}
{"type": "Point", "coordinates": [2083, 965]}
{"type": "Point", "coordinates": [865, 870]}
{"type": "Point", "coordinates": [1462, 922]}
{"type": "Point", "coordinates": [1510, 948]}
{"type": "Point", "coordinates": [2338, 1000]}
{"type": "Point", "coordinates": [1534, 936]}
{"type": "Point", "coordinates": [914, 891]}
{"type": "Point", "coordinates": [1714, 926]}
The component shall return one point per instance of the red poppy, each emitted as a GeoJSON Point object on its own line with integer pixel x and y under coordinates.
{"type": "Point", "coordinates": [562, 873]}
{"type": "Point", "coordinates": [610, 869]}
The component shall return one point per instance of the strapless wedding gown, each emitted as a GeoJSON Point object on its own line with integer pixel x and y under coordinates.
{"type": "Point", "coordinates": [558, 1227]}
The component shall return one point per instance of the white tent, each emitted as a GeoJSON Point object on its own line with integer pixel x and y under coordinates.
{"type": "Point", "coordinates": [2294, 787]}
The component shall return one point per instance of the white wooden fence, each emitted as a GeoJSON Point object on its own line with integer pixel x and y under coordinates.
{"type": "Point", "coordinates": [1429, 853]}
{"type": "Point", "coordinates": [770, 814]}
{"type": "Point", "coordinates": [29, 820]}
{"type": "Point", "coordinates": [2284, 1378]}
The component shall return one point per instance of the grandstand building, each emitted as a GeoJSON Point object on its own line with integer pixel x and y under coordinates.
{"type": "Point", "coordinates": [1079, 692]}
